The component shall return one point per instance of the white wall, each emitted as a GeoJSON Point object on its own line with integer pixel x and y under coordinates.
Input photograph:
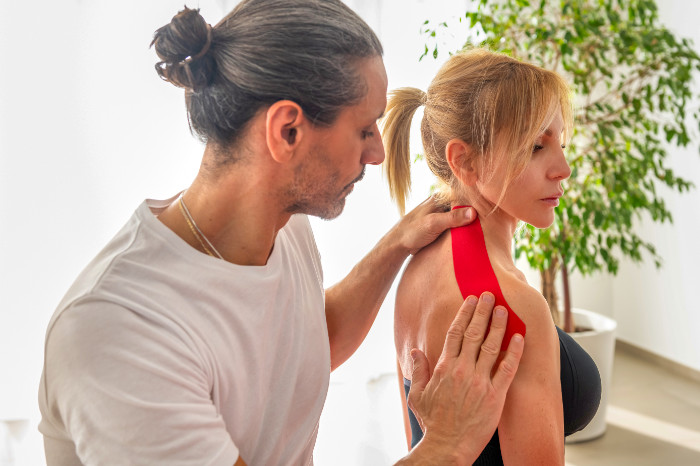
{"type": "Point", "coordinates": [87, 130]}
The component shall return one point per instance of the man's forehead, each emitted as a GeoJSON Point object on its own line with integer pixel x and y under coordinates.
{"type": "Point", "coordinates": [375, 101]}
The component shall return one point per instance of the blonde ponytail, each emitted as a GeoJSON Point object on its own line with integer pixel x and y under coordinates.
{"type": "Point", "coordinates": [396, 132]}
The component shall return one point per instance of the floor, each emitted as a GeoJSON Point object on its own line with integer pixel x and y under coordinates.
{"type": "Point", "coordinates": [653, 419]}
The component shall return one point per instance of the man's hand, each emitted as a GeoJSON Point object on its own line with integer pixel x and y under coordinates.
{"type": "Point", "coordinates": [427, 221]}
{"type": "Point", "coordinates": [460, 405]}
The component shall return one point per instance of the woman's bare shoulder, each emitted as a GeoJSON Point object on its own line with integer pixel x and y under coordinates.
{"type": "Point", "coordinates": [425, 301]}
{"type": "Point", "coordinates": [527, 302]}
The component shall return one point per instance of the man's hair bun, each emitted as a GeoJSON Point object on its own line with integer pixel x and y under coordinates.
{"type": "Point", "coordinates": [261, 52]}
{"type": "Point", "coordinates": [183, 46]}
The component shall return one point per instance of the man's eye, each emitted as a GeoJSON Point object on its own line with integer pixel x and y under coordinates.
{"type": "Point", "coordinates": [367, 134]}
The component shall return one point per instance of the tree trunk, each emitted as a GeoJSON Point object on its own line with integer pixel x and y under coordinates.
{"type": "Point", "coordinates": [549, 290]}
{"type": "Point", "coordinates": [569, 326]}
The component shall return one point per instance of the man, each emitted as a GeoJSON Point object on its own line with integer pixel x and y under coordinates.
{"type": "Point", "coordinates": [201, 334]}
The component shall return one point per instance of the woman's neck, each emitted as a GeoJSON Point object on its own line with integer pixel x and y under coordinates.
{"type": "Point", "coordinates": [498, 227]}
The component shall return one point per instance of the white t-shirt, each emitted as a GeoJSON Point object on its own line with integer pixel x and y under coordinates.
{"type": "Point", "coordinates": [159, 354]}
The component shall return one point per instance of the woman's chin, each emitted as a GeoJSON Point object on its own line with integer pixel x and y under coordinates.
{"type": "Point", "coordinates": [540, 223]}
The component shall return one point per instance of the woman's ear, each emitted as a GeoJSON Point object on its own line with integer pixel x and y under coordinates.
{"type": "Point", "coordinates": [284, 129]}
{"type": "Point", "coordinates": [462, 161]}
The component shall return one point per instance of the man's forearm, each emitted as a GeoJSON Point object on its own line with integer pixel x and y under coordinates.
{"type": "Point", "coordinates": [353, 303]}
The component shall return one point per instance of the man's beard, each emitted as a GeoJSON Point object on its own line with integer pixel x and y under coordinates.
{"type": "Point", "coordinates": [316, 194]}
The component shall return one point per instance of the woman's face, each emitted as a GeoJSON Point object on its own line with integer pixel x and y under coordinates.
{"type": "Point", "coordinates": [533, 196]}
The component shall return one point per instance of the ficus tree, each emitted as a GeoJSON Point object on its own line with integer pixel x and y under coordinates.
{"type": "Point", "coordinates": [632, 81]}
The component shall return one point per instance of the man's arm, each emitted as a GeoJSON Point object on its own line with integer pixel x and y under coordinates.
{"type": "Point", "coordinates": [353, 303]}
{"type": "Point", "coordinates": [460, 405]}
{"type": "Point", "coordinates": [107, 367]}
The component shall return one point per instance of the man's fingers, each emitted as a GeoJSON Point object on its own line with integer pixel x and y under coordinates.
{"type": "Point", "coordinates": [491, 347]}
{"type": "Point", "coordinates": [420, 377]}
{"type": "Point", "coordinates": [429, 220]}
{"type": "Point", "coordinates": [454, 218]}
{"type": "Point", "coordinates": [441, 220]}
{"type": "Point", "coordinates": [455, 334]}
{"type": "Point", "coordinates": [474, 334]}
{"type": "Point", "coordinates": [509, 365]}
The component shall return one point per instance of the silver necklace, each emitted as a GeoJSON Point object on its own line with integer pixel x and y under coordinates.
{"type": "Point", "coordinates": [195, 229]}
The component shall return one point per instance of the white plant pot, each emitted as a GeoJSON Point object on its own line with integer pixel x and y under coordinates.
{"type": "Point", "coordinates": [599, 343]}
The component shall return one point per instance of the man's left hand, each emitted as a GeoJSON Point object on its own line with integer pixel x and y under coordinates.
{"type": "Point", "coordinates": [427, 221]}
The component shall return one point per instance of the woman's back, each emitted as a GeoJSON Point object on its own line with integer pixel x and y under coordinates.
{"type": "Point", "coordinates": [425, 293]}
{"type": "Point", "coordinates": [430, 289]}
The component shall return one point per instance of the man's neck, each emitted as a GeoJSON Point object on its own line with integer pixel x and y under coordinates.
{"type": "Point", "coordinates": [236, 212]}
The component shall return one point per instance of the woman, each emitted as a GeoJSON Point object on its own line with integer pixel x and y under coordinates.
{"type": "Point", "coordinates": [493, 132]}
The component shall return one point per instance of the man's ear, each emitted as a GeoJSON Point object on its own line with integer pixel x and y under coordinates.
{"type": "Point", "coordinates": [462, 161]}
{"type": "Point", "coordinates": [284, 129]}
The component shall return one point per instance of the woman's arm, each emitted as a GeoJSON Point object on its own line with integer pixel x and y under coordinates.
{"type": "Point", "coordinates": [404, 407]}
{"type": "Point", "coordinates": [531, 426]}
{"type": "Point", "coordinates": [531, 430]}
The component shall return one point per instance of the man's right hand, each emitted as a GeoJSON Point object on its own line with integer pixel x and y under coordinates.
{"type": "Point", "coordinates": [460, 405]}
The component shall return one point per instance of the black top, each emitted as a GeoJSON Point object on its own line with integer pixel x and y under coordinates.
{"type": "Point", "coordinates": [580, 393]}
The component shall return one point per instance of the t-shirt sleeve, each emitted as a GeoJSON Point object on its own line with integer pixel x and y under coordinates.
{"type": "Point", "coordinates": [129, 390]}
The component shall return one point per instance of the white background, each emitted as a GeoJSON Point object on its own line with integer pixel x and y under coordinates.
{"type": "Point", "coordinates": [88, 130]}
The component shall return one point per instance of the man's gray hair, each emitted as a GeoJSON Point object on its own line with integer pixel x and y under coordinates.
{"type": "Point", "coordinates": [262, 52]}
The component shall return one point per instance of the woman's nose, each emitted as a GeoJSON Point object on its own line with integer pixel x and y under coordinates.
{"type": "Point", "coordinates": [561, 169]}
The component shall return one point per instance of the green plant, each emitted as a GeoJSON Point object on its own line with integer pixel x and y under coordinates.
{"type": "Point", "coordinates": [632, 84]}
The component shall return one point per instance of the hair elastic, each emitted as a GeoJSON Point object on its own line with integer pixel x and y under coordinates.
{"type": "Point", "coordinates": [423, 97]}
{"type": "Point", "coordinates": [189, 59]}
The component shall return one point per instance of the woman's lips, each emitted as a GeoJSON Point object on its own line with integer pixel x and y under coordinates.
{"type": "Point", "coordinates": [551, 201]}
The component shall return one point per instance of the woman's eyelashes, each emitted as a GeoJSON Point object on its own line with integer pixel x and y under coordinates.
{"type": "Point", "coordinates": [539, 146]}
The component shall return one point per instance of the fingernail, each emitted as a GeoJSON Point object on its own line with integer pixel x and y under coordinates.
{"type": "Point", "coordinates": [500, 311]}
{"type": "Point", "coordinates": [517, 338]}
{"type": "Point", "coordinates": [488, 298]}
{"type": "Point", "coordinates": [472, 300]}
